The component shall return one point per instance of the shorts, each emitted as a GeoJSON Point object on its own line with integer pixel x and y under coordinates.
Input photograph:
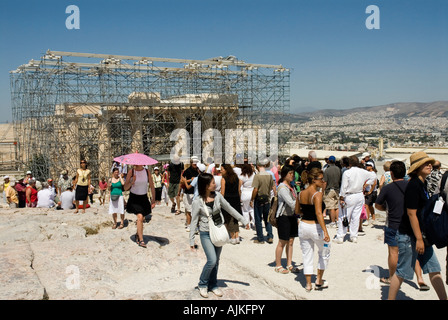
{"type": "Point", "coordinates": [389, 237]}
{"type": "Point", "coordinates": [173, 189]}
{"type": "Point", "coordinates": [188, 200]}
{"type": "Point", "coordinates": [287, 227]}
{"type": "Point", "coordinates": [331, 199]}
{"type": "Point", "coordinates": [371, 198]}
{"type": "Point", "coordinates": [407, 257]}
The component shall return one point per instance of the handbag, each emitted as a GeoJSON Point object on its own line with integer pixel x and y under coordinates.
{"type": "Point", "coordinates": [218, 233]}
{"type": "Point", "coordinates": [114, 197]}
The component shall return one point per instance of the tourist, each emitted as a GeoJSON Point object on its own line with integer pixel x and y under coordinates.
{"type": "Point", "coordinates": [287, 225]}
{"type": "Point", "coordinates": [82, 183]}
{"type": "Point", "coordinates": [312, 229]}
{"type": "Point", "coordinates": [231, 190]}
{"type": "Point", "coordinates": [67, 199]}
{"type": "Point", "coordinates": [116, 202]}
{"type": "Point", "coordinates": [332, 179]}
{"type": "Point", "coordinates": [411, 244]}
{"type": "Point", "coordinates": [274, 168]}
{"type": "Point", "coordinates": [52, 187]}
{"type": "Point", "coordinates": [189, 174]}
{"type": "Point", "coordinates": [433, 180]}
{"type": "Point", "coordinates": [103, 189]}
{"type": "Point", "coordinates": [11, 195]}
{"type": "Point", "coordinates": [217, 176]}
{"type": "Point", "coordinates": [391, 200]}
{"type": "Point", "coordinates": [344, 164]}
{"type": "Point", "coordinates": [351, 198]}
{"type": "Point", "coordinates": [194, 183]}
{"type": "Point", "coordinates": [28, 177]}
{"type": "Point", "coordinates": [370, 192]}
{"type": "Point", "coordinates": [262, 184]}
{"type": "Point", "coordinates": [366, 157]}
{"type": "Point", "coordinates": [157, 178]}
{"type": "Point", "coordinates": [4, 187]}
{"type": "Point", "coordinates": [312, 161]}
{"type": "Point", "coordinates": [64, 182]}
{"type": "Point", "coordinates": [165, 184]}
{"type": "Point", "coordinates": [214, 202]}
{"type": "Point", "coordinates": [137, 181]}
{"type": "Point", "coordinates": [247, 177]}
{"type": "Point", "coordinates": [31, 193]}
{"type": "Point", "coordinates": [386, 177]}
{"type": "Point", "coordinates": [175, 169]}
{"type": "Point", "coordinates": [45, 197]}
{"type": "Point", "coordinates": [21, 193]}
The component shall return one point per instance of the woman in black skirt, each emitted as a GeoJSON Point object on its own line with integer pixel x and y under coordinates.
{"type": "Point", "coordinates": [82, 183]}
{"type": "Point", "coordinates": [231, 190]}
{"type": "Point", "coordinates": [138, 203]}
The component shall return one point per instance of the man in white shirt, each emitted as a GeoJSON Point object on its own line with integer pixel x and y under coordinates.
{"type": "Point", "coordinates": [45, 197]}
{"type": "Point", "coordinates": [67, 199]}
{"type": "Point", "coordinates": [351, 198]}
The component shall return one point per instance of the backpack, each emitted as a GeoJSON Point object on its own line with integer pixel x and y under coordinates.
{"type": "Point", "coordinates": [434, 225]}
{"type": "Point", "coordinates": [272, 216]}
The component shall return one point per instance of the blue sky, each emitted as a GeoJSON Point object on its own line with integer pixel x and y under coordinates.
{"type": "Point", "coordinates": [335, 61]}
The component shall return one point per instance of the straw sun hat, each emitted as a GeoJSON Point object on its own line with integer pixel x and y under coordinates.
{"type": "Point", "coordinates": [418, 159]}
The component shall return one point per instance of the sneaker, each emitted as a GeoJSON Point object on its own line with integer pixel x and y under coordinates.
{"type": "Point", "coordinates": [338, 240]}
{"type": "Point", "coordinates": [203, 292]}
{"type": "Point", "coordinates": [217, 292]}
{"type": "Point", "coordinates": [365, 223]}
{"type": "Point", "coordinates": [333, 225]}
{"type": "Point", "coordinates": [187, 228]}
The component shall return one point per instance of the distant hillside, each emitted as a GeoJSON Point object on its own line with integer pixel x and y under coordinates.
{"type": "Point", "coordinates": [402, 109]}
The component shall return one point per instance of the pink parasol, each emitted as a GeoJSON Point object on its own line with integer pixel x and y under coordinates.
{"type": "Point", "coordinates": [136, 159]}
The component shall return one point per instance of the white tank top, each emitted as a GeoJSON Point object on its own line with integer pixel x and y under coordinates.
{"type": "Point", "coordinates": [140, 186]}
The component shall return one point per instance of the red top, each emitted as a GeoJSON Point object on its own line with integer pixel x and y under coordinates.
{"type": "Point", "coordinates": [103, 186]}
{"type": "Point", "coordinates": [33, 196]}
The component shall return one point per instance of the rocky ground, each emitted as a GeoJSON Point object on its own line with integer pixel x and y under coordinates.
{"type": "Point", "coordinates": [59, 255]}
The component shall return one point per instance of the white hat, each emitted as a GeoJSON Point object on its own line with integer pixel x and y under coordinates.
{"type": "Point", "coordinates": [6, 177]}
{"type": "Point", "coordinates": [194, 159]}
{"type": "Point", "coordinates": [370, 163]}
{"type": "Point", "coordinates": [201, 167]}
{"type": "Point", "coordinates": [156, 168]}
{"type": "Point", "coordinates": [28, 172]}
{"type": "Point", "coordinates": [365, 154]}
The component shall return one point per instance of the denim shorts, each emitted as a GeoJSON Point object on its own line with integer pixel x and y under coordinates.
{"type": "Point", "coordinates": [389, 237]}
{"type": "Point", "coordinates": [407, 255]}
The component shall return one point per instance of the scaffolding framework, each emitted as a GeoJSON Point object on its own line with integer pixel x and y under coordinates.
{"type": "Point", "coordinates": [69, 106]}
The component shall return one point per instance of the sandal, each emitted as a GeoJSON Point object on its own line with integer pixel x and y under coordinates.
{"type": "Point", "coordinates": [141, 244]}
{"type": "Point", "coordinates": [308, 289]}
{"type": "Point", "coordinates": [423, 287]}
{"type": "Point", "coordinates": [385, 281]}
{"type": "Point", "coordinates": [281, 270]}
{"type": "Point", "coordinates": [177, 212]}
{"type": "Point", "coordinates": [293, 269]}
{"type": "Point", "coordinates": [324, 285]}
{"type": "Point", "coordinates": [114, 226]}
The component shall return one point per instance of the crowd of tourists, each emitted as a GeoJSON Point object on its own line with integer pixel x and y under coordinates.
{"type": "Point", "coordinates": [345, 192]}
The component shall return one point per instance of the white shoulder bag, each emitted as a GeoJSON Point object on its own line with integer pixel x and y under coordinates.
{"type": "Point", "coordinates": [218, 234]}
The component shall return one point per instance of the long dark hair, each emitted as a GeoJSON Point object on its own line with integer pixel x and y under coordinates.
{"type": "Point", "coordinates": [204, 180]}
{"type": "Point", "coordinates": [247, 170]}
{"type": "Point", "coordinates": [230, 175]}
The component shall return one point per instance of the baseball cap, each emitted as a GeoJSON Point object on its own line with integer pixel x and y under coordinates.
{"type": "Point", "coordinates": [331, 158]}
{"type": "Point", "coordinates": [201, 167]}
{"type": "Point", "coordinates": [370, 163]}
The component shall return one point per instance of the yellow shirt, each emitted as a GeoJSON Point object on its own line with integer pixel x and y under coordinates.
{"type": "Point", "coordinates": [11, 193]}
{"type": "Point", "coordinates": [83, 177]}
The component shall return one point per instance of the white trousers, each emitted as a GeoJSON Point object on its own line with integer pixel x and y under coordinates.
{"type": "Point", "coordinates": [247, 210]}
{"type": "Point", "coordinates": [310, 235]}
{"type": "Point", "coordinates": [354, 203]}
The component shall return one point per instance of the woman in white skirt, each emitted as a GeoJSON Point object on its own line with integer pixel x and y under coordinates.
{"type": "Point", "coordinates": [116, 203]}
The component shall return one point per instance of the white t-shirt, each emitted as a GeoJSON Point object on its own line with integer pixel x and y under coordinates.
{"type": "Point", "coordinates": [45, 198]}
{"type": "Point", "coordinates": [67, 198]}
